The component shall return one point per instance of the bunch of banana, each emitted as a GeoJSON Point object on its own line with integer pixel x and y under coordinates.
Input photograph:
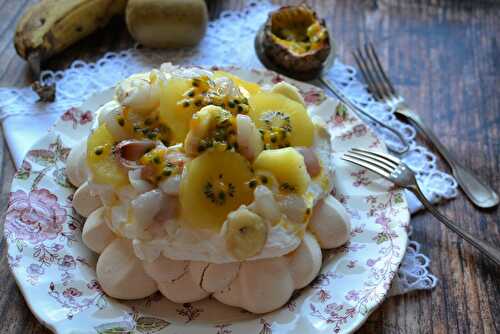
{"type": "Point", "coordinates": [50, 26]}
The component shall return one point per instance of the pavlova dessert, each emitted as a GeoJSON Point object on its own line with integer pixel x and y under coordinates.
{"type": "Point", "coordinates": [197, 183]}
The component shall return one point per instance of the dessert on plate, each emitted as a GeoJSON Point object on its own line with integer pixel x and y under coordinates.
{"type": "Point", "coordinates": [198, 183]}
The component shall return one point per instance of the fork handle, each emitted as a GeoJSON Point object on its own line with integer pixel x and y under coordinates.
{"type": "Point", "coordinates": [479, 193]}
{"type": "Point", "coordinates": [491, 252]}
{"type": "Point", "coordinates": [358, 110]}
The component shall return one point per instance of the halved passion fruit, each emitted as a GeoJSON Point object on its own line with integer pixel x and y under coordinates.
{"type": "Point", "coordinates": [295, 39]}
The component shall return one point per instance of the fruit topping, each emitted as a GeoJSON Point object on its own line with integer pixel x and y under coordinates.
{"type": "Point", "coordinates": [214, 184]}
{"type": "Point", "coordinates": [245, 234]}
{"type": "Point", "coordinates": [281, 121]}
{"type": "Point", "coordinates": [102, 161]}
{"type": "Point", "coordinates": [288, 167]}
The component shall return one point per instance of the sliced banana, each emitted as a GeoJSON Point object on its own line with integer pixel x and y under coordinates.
{"type": "Point", "coordinates": [84, 202]}
{"type": "Point", "coordinates": [201, 124]}
{"type": "Point", "coordinates": [164, 269]}
{"type": "Point", "coordinates": [121, 273]}
{"type": "Point", "coordinates": [245, 233]}
{"type": "Point", "coordinates": [305, 261]}
{"type": "Point", "coordinates": [266, 284]}
{"type": "Point", "coordinates": [76, 166]}
{"type": "Point", "coordinates": [183, 290]}
{"type": "Point", "coordinates": [288, 90]}
{"type": "Point", "coordinates": [96, 234]}
{"type": "Point", "coordinates": [214, 277]}
{"type": "Point", "coordinates": [330, 223]}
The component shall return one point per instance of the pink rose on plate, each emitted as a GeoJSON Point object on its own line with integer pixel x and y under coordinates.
{"type": "Point", "coordinates": [76, 116]}
{"type": "Point", "coordinates": [67, 263]}
{"type": "Point", "coordinates": [71, 293]}
{"type": "Point", "coordinates": [34, 216]}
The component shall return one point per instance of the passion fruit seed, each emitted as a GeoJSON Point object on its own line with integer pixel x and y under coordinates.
{"type": "Point", "coordinates": [252, 184]}
{"type": "Point", "coordinates": [156, 160]}
{"type": "Point", "coordinates": [277, 130]}
{"type": "Point", "coordinates": [217, 193]}
{"type": "Point", "coordinates": [203, 92]}
{"type": "Point", "coordinates": [99, 150]}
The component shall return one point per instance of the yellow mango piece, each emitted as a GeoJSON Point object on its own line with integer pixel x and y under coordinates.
{"type": "Point", "coordinates": [176, 115]}
{"type": "Point", "coordinates": [288, 167]}
{"type": "Point", "coordinates": [101, 160]}
{"type": "Point", "coordinates": [214, 184]}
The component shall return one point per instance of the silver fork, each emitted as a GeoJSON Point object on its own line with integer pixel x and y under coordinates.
{"type": "Point", "coordinates": [398, 172]}
{"type": "Point", "coordinates": [382, 89]}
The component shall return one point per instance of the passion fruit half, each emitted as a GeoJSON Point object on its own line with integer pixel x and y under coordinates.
{"type": "Point", "coordinates": [294, 40]}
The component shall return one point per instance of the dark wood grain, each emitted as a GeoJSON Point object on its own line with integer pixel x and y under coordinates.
{"type": "Point", "coordinates": [444, 57]}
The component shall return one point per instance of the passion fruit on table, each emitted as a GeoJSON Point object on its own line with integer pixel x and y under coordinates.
{"type": "Point", "coordinates": [295, 40]}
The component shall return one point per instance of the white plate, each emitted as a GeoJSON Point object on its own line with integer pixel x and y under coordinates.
{"type": "Point", "coordinates": [55, 271]}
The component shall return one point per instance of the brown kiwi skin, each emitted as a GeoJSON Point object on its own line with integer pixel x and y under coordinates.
{"type": "Point", "coordinates": [167, 23]}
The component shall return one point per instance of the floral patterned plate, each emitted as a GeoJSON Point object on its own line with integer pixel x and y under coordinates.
{"type": "Point", "coordinates": [55, 271]}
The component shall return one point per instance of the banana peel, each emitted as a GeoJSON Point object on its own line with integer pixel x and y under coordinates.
{"type": "Point", "coordinates": [50, 26]}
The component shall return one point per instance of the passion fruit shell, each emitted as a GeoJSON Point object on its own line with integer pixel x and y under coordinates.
{"type": "Point", "coordinates": [295, 40]}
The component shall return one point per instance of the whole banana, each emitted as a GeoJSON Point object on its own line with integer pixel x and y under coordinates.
{"type": "Point", "coordinates": [50, 26]}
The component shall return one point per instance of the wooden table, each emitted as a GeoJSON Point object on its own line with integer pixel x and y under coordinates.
{"type": "Point", "coordinates": [444, 56]}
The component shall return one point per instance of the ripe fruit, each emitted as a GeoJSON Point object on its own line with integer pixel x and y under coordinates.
{"type": "Point", "coordinates": [173, 111]}
{"type": "Point", "coordinates": [282, 121]}
{"type": "Point", "coordinates": [214, 184]}
{"type": "Point", "coordinates": [288, 167]}
{"type": "Point", "coordinates": [167, 23]}
{"type": "Point", "coordinates": [101, 160]}
{"type": "Point", "coordinates": [245, 234]}
{"type": "Point", "coordinates": [296, 40]}
{"type": "Point", "coordinates": [50, 26]}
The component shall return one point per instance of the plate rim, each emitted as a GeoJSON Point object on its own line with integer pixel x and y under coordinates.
{"type": "Point", "coordinates": [53, 325]}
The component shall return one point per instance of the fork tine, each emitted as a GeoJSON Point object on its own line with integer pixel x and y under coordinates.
{"type": "Point", "coordinates": [378, 78]}
{"type": "Point", "coordinates": [381, 70]}
{"type": "Point", "coordinates": [372, 87]}
{"type": "Point", "coordinates": [367, 166]}
{"type": "Point", "coordinates": [369, 154]}
{"type": "Point", "coordinates": [379, 154]}
{"type": "Point", "coordinates": [372, 161]}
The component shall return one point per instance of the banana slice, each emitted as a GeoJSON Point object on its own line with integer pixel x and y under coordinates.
{"type": "Point", "coordinates": [290, 91]}
{"type": "Point", "coordinates": [330, 223]}
{"type": "Point", "coordinates": [76, 167]}
{"type": "Point", "coordinates": [183, 290]}
{"type": "Point", "coordinates": [305, 261]}
{"type": "Point", "coordinates": [214, 277]}
{"type": "Point", "coordinates": [164, 269]}
{"type": "Point", "coordinates": [84, 202]}
{"type": "Point", "coordinates": [121, 273]}
{"type": "Point", "coordinates": [96, 234]}
{"type": "Point", "coordinates": [245, 233]}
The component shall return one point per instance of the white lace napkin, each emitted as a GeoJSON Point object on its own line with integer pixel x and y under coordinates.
{"type": "Point", "coordinates": [229, 41]}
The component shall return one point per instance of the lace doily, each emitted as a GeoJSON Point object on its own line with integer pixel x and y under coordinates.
{"type": "Point", "coordinates": [230, 41]}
